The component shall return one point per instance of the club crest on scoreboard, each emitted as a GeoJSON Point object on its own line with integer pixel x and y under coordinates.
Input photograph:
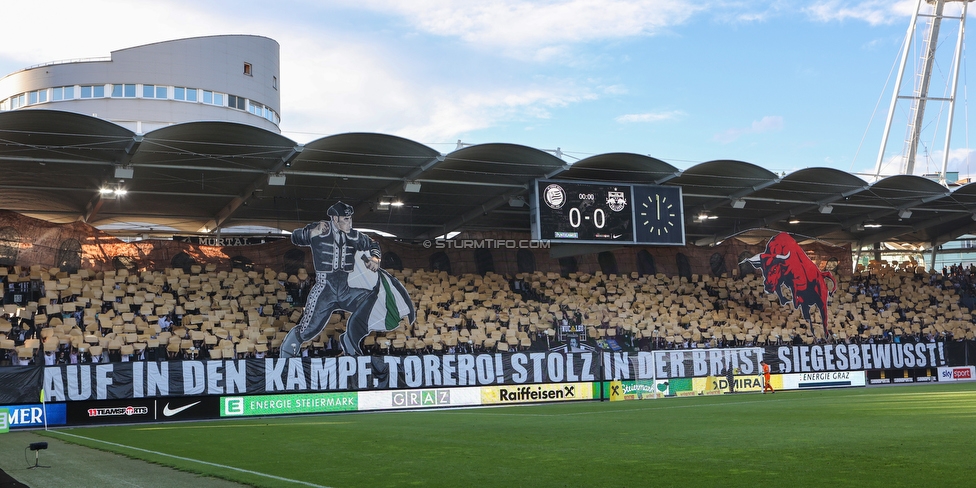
{"type": "Point", "coordinates": [616, 200]}
{"type": "Point", "coordinates": [555, 196]}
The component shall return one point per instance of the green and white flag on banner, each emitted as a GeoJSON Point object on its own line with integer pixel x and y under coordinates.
{"type": "Point", "coordinates": [386, 305]}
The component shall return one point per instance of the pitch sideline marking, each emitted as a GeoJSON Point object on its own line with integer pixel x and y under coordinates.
{"type": "Point", "coordinates": [234, 426]}
{"type": "Point", "coordinates": [595, 412]}
{"type": "Point", "coordinates": [181, 458]}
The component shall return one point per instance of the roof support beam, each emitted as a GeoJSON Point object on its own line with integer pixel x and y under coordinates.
{"type": "Point", "coordinates": [92, 208]}
{"type": "Point", "coordinates": [130, 151]}
{"type": "Point", "coordinates": [889, 234]}
{"type": "Point", "coordinates": [892, 233]}
{"type": "Point", "coordinates": [95, 204]}
{"type": "Point", "coordinates": [398, 179]}
{"type": "Point", "coordinates": [258, 183]}
{"type": "Point", "coordinates": [397, 185]}
{"type": "Point", "coordinates": [472, 214]}
{"type": "Point", "coordinates": [665, 179]}
{"type": "Point", "coordinates": [785, 214]}
{"type": "Point", "coordinates": [944, 238]}
{"type": "Point", "coordinates": [29, 159]}
{"type": "Point", "coordinates": [737, 195]}
{"type": "Point", "coordinates": [889, 210]}
{"type": "Point", "coordinates": [43, 188]}
{"type": "Point", "coordinates": [555, 172]}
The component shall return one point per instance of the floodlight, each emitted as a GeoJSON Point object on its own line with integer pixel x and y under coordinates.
{"type": "Point", "coordinates": [123, 172]}
{"type": "Point", "coordinates": [411, 187]}
{"type": "Point", "coordinates": [276, 180]}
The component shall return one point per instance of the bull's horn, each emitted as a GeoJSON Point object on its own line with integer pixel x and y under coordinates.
{"type": "Point", "coordinates": [784, 256]}
{"type": "Point", "coordinates": [755, 261]}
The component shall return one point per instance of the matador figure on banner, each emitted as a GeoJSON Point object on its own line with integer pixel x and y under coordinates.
{"type": "Point", "coordinates": [375, 299]}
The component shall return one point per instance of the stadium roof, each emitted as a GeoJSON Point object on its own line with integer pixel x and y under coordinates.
{"type": "Point", "coordinates": [196, 177]}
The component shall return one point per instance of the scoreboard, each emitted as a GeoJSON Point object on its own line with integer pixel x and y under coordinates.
{"type": "Point", "coordinates": [587, 212]}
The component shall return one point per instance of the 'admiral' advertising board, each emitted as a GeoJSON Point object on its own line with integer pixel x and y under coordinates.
{"type": "Point", "coordinates": [34, 415]}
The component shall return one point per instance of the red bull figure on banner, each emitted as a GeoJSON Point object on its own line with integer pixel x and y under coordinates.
{"type": "Point", "coordinates": [785, 264]}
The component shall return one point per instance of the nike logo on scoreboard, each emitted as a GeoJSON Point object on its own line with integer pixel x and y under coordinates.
{"type": "Point", "coordinates": [169, 412]}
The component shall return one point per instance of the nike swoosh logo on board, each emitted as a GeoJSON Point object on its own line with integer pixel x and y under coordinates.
{"type": "Point", "coordinates": [168, 412]}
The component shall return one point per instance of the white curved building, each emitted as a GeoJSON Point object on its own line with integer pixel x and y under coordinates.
{"type": "Point", "coordinates": [231, 78]}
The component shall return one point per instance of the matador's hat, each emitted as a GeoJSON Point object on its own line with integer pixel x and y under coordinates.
{"type": "Point", "coordinates": [341, 210]}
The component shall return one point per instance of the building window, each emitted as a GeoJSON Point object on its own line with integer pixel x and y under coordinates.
{"type": "Point", "coordinates": [247, 69]}
{"type": "Point", "coordinates": [37, 96]}
{"type": "Point", "coordinates": [234, 101]}
{"type": "Point", "coordinates": [213, 98]}
{"type": "Point", "coordinates": [155, 91]}
{"type": "Point", "coordinates": [62, 93]}
{"type": "Point", "coordinates": [93, 91]}
{"type": "Point", "coordinates": [18, 101]}
{"type": "Point", "coordinates": [274, 82]}
{"type": "Point", "coordinates": [184, 93]}
{"type": "Point", "coordinates": [124, 91]}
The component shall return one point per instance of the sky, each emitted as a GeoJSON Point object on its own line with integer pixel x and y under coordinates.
{"type": "Point", "coordinates": [783, 84]}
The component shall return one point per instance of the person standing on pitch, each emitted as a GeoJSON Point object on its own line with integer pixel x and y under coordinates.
{"type": "Point", "coordinates": [334, 245]}
{"type": "Point", "coordinates": [730, 378]}
{"type": "Point", "coordinates": [767, 386]}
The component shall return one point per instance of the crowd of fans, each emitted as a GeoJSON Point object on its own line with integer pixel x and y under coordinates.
{"type": "Point", "coordinates": [202, 313]}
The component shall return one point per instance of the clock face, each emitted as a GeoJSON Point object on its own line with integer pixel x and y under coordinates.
{"type": "Point", "coordinates": [659, 217]}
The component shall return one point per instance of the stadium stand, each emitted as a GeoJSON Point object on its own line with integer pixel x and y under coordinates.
{"type": "Point", "coordinates": [205, 313]}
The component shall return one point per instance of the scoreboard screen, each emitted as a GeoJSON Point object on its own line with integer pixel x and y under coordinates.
{"type": "Point", "coordinates": [596, 213]}
{"type": "Point", "coordinates": [585, 212]}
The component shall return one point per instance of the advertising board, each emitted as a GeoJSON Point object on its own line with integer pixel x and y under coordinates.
{"type": "Point", "coordinates": [834, 379]}
{"type": "Point", "coordinates": [34, 415]}
{"type": "Point", "coordinates": [957, 373]}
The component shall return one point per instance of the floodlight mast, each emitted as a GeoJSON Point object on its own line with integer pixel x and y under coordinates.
{"type": "Point", "coordinates": [919, 95]}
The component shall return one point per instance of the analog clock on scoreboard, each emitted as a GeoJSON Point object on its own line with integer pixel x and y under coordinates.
{"type": "Point", "coordinates": [595, 212]}
{"type": "Point", "coordinates": [658, 215]}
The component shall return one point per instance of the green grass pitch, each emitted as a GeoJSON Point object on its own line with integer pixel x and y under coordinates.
{"type": "Point", "coordinates": [921, 435]}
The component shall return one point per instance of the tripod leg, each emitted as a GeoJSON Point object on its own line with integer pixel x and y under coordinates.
{"type": "Point", "coordinates": [37, 461]}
